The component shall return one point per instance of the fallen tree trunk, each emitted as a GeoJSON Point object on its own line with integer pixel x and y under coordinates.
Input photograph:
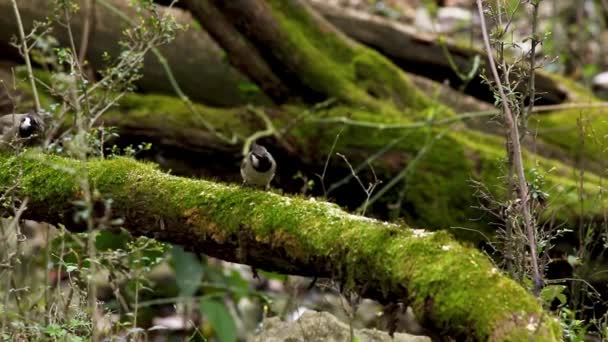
{"type": "Point", "coordinates": [312, 58]}
{"type": "Point", "coordinates": [453, 289]}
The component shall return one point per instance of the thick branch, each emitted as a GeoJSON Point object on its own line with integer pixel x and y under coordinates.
{"type": "Point", "coordinates": [313, 59]}
{"type": "Point", "coordinates": [438, 194]}
{"type": "Point", "coordinates": [241, 54]}
{"type": "Point", "coordinates": [451, 287]}
{"type": "Point", "coordinates": [255, 20]}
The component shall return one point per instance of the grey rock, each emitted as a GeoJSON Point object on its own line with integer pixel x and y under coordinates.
{"type": "Point", "coordinates": [323, 327]}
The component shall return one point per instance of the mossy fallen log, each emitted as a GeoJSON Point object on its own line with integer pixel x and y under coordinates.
{"type": "Point", "coordinates": [452, 288]}
{"type": "Point", "coordinates": [438, 191]}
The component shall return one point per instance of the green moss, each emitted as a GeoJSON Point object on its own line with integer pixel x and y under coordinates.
{"type": "Point", "coordinates": [300, 24]}
{"type": "Point", "coordinates": [381, 79]}
{"type": "Point", "coordinates": [561, 181]}
{"type": "Point", "coordinates": [165, 111]}
{"type": "Point", "coordinates": [468, 296]}
{"type": "Point", "coordinates": [320, 51]}
{"type": "Point", "coordinates": [578, 133]}
{"type": "Point", "coordinates": [438, 191]}
{"type": "Point", "coordinates": [581, 93]}
{"type": "Point", "coordinates": [581, 133]}
{"type": "Point", "coordinates": [331, 65]}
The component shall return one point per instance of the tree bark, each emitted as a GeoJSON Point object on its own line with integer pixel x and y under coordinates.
{"type": "Point", "coordinates": [195, 59]}
{"type": "Point", "coordinates": [255, 20]}
{"type": "Point", "coordinates": [453, 289]}
{"type": "Point", "coordinates": [314, 59]}
{"type": "Point", "coordinates": [246, 57]}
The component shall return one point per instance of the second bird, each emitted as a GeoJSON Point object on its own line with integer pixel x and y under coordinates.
{"type": "Point", "coordinates": [14, 127]}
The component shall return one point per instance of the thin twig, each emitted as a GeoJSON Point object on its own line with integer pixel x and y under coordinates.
{"type": "Point", "coordinates": [486, 238]}
{"type": "Point", "coordinates": [331, 152]}
{"type": "Point", "coordinates": [14, 226]}
{"type": "Point", "coordinates": [26, 56]}
{"type": "Point", "coordinates": [86, 30]}
{"type": "Point", "coordinates": [531, 73]}
{"type": "Point", "coordinates": [367, 161]}
{"type": "Point", "coordinates": [77, 62]}
{"type": "Point", "coordinates": [368, 190]}
{"type": "Point", "coordinates": [173, 81]}
{"type": "Point", "coordinates": [460, 117]}
{"type": "Point", "coordinates": [410, 166]}
{"type": "Point", "coordinates": [270, 130]}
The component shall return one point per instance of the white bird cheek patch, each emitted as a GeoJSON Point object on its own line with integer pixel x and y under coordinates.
{"type": "Point", "coordinates": [255, 161]}
{"type": "Point", "coordinates": [26, 123]}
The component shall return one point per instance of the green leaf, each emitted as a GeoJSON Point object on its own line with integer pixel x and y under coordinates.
{"type": "Point", "coordinates": [73, 246]}
{"type": "Point", "coordinates": [220, 319]}
{"type": "Point", "coordinates": [75, 338]}
{"type": "Point", "coordinates": [54, 330]}
{"type": "Point", "coordinates": [551, 292]}
{"type": "Point", "coordinates": [248, 88]}
{"type": "Point", "coordinates": [106, 240]}
{"type": "Point", "coordinates": [188, 271]}
{"type": "Point", "coordinates": [238, 285]}
{"type": "Point", "coordinates": [273, 275]}
{"type": "Point", "coordinates": [151, 252]}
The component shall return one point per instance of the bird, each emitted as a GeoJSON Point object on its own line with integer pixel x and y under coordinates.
{"type": "Point", "coordinates": [258, 167]}
{"type": "Point", "coordinates": [20, 127]}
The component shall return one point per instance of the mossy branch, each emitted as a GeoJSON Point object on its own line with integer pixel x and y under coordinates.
{"type": "Point", "coordinates": [451, 287]}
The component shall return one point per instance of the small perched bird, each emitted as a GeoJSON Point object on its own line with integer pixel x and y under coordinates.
{"type": "Point", "coordinates": [15, 127]}
{"type": "Point", "coordinates": [258, 167]}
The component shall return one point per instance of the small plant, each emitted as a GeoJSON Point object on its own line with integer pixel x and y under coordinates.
{"type": "Point", "coordinates": [525, 247]}
{"type": "Point", "coordinates": [76, 105]}
{"type": "Point", "coordinates": [505, 79]}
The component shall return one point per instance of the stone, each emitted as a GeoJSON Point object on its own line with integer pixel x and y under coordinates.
{"type": "Point", "coordinates": [315, 326]}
